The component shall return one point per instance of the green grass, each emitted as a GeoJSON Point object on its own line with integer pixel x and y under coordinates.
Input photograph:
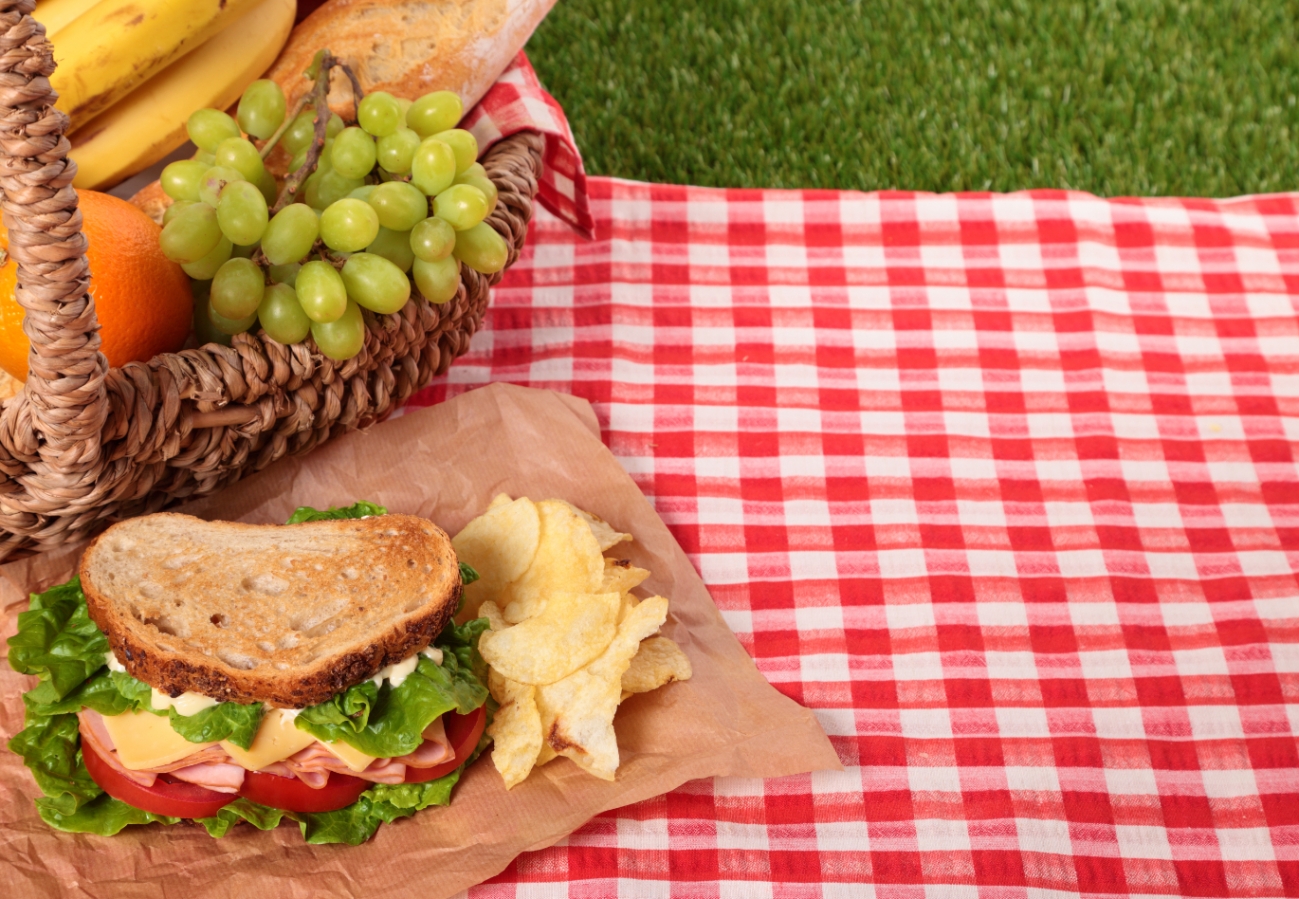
{"type": "Point", "coordinates": [1138, 97]}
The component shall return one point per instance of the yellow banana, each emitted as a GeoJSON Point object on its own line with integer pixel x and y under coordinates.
{"type": "Point", "coordinates": [116, 45]}
{"type": "Point", "coordinates": [55, 15]}
{"type": "Point", "coordinates": [150, 122]}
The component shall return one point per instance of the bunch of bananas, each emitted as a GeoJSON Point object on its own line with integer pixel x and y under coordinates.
{"type": "Point", "coordinates": [131, 71]}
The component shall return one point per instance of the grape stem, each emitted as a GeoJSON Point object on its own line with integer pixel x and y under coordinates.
{"type": "Point", "coordinates": [284, 126]}
{"type": "Point", "coordinates": [320, 102]}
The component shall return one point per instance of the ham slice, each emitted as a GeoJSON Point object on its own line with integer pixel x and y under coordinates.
{"type": "Point", "coordinates": [435, 750]}
{"type": "Point", "coordinates": [220, 777]}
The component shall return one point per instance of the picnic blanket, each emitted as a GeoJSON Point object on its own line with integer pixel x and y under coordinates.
{"type": "Point", "coordinates": [1002, 486]}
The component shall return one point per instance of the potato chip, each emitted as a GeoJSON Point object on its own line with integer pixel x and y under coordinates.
{"type": "Point", "coordinates": [500, 499]}
{"type": "Point", "coordinates": [567, 560]}
{"type": "Point", "coordinates": [659, 661]}
{"type": "Point", "coordinates": [577, 712]}
{"type": "Point", "coordinates": [604, 533]}
{"type": "Point", "coordinates": [629, 602]}
{"type": "Point", "coordinates": [500, 545]}
{"type": "Point", "coordinates": [515, 729]}
{"type": "Point", "coordinates": [570, 630]}
{"type": "Point", "coordinates": [621, 576]}
{"type": "Point", "coordinates": [492, 612]}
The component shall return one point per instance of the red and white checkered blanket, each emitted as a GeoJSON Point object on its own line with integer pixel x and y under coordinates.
{"type": "Point", "coordinates": [517, 102]}
{"type": "Point", "coordinates": [1003, 487]}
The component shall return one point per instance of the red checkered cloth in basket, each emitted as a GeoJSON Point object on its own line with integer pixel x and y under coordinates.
{"type": "Point", "coordinates": [1003, 487]}
{"type": "Point", "coordinates": [517, 102]}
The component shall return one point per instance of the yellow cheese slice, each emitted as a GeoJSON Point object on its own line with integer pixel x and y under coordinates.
{"type": "Point", "coordinates": [144, 740]}
{"type": "Point", "coordinates": [351, 757]}
{"type": "Point", "coordinates": [276, 740]}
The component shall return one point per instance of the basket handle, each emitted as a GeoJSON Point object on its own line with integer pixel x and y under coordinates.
{"type": "Point", "coordinates": [65, 383]}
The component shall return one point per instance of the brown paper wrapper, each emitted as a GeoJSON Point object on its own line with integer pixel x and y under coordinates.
{"type": "Point", "coordinates": [444, 463]}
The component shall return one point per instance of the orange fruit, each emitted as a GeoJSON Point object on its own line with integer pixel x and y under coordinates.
{"type": "Point", "coordinates": [142, 298]}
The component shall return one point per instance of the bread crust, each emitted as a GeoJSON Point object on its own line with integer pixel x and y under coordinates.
{"type": "Point", "coordinates": [410, 47]}
{"type": "Point", "coordinates": [136, 642]}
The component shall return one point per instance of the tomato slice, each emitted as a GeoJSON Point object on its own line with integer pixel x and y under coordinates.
{"type": "Point", "coordinates": [463, 732]}
{"type": "Point", "coordinates": [166, 797]}
{"type": "Point", "coordinates": [292, 795]}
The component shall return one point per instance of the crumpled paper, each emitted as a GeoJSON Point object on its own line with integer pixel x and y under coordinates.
{"type": "Point", "coordinates": [444, 463]}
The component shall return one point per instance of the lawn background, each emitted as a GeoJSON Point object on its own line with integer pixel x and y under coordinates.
{"type": "Point", "coordinates": [1145, 97]}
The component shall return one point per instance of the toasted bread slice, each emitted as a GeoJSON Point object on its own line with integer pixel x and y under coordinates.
{"type": "Point", "coordinates": [284, 614]}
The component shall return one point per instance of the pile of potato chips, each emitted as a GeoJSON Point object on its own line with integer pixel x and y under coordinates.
{"type": "Point", "coordinates": [568, 641]}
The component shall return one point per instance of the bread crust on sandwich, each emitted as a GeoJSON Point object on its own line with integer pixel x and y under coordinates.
{"type": "Point", "coordinates": [290, 615]}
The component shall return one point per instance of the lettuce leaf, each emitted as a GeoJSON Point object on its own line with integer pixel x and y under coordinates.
{"type": "Point", "coordinates": [260, 816]}
{"type": "Point", "coordinates": [467, 574]}
{"type": "Point", "coordinates": [360, 509]}
{"type": "Point", "coordinates": [390, 721]}
{"type": "Point", "coordinates": [223, 721]}
{"type": "Point", "coordinates": [51, 747]}
{"type": "Point", "coordinates": [381, 804]}
{"type": "Point", "coordinates": [57, 641]}
{"type": "Point", "coordinates": [104, 816]}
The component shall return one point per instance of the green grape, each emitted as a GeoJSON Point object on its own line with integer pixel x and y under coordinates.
{"type": "Point", "coordinates": [242, 213]}
{"type": "Point", "coordinates": [334, 125]}
{"type": "Point", "coordinates": [205, 157]}
{"type": "Point", "coordinates": [482, 249]}
{"type": "Point", "coordinates": [331, 188]}
{"type": "Point", "coordinates": [393, 246]}
{"type": "Point", "coordinates": [348, 225]}
{"type": "Point", "coordinates": [404, 105]}
{"type": "Point", "coordinates": [261, 108]}
{"type": "Point", "coordinates": [464, 144]}
{"type": "Point", "coordinates": [214, 181]}
{"type": "Point", "coordinates": [437, 281]}
{"type": "Point", "coordinates": [379, 114]}
{"type": "Point", "coordinates": [342, 338]}
{"type": "Point", "coordinates": [297, 137]}
{"type": "Point", "coordinates": [191, 234]}
{"type": "Point", "coordinates": [268, 186]}
{"type": "Point", "coordinates": [400, 206]}
{"type": "Point", "coordinates": [376, 283]}
{"type": "Point", "coordinates": [363, 192]}
{"type": "Point", "coordinates": [243, 252]}
{"type": "Point", "coordinates": [475, 169]}
{"type": "Point", "coordinates": [396, 151]}
{"type": "Point", "coordinates": [432, 239]}
{"type": "Point", "coordinates": [237, 288]}
{"type": "Point", "coordinates": [204, 269]}
{"type": "Point", "coordinates": [229, 326]}
{"type": "Point", "coordinates": [173, 210]}
{"type": "Point", "coordinates": [290, 235]}
{"type": "Point", "coordinates": [180, 179]}
{"type": "Point", "coordinates": [281, 315]}
{"type": "Point", "coordinates": [321, 291]}
{"type": "Point", "coordinates": [205, 331]}
{"type": "Point", "coordinates": [298, 160]}
{"type": "Point", "coordinates": [431, 113]}
{"type": "Point", "coordinates": [353, 153]}
{"type": "Point", "coordinates": [207, 128]}
{"type": "Point", "coordinates": [433, 167]}
{"type": "Point", "coordinates": [239, 154]}
{"type": "Point", "coordinates": [325, 163]}
{"type": "Point", "coordinates": [477, 177]}
{"type": "Point", "coordinates": [284, 274]}
{"type": "Point", "coordinates": [461, 205]}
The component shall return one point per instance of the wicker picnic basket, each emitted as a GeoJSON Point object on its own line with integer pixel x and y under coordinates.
{"type": "Point", "coordinates": [83, 444]}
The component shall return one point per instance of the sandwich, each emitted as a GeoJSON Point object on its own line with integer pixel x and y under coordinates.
{"type": "Point", "coordinates": [220, 672]}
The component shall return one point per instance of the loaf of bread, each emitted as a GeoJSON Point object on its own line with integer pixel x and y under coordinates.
{"type": "Point", "coordinates": [410, 47]}
{"type": "Point", "coordinates": [285, 614]}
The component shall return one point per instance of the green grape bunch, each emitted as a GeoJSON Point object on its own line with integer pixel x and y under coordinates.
{"type": "Point", "coordinates": [384, 208]}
